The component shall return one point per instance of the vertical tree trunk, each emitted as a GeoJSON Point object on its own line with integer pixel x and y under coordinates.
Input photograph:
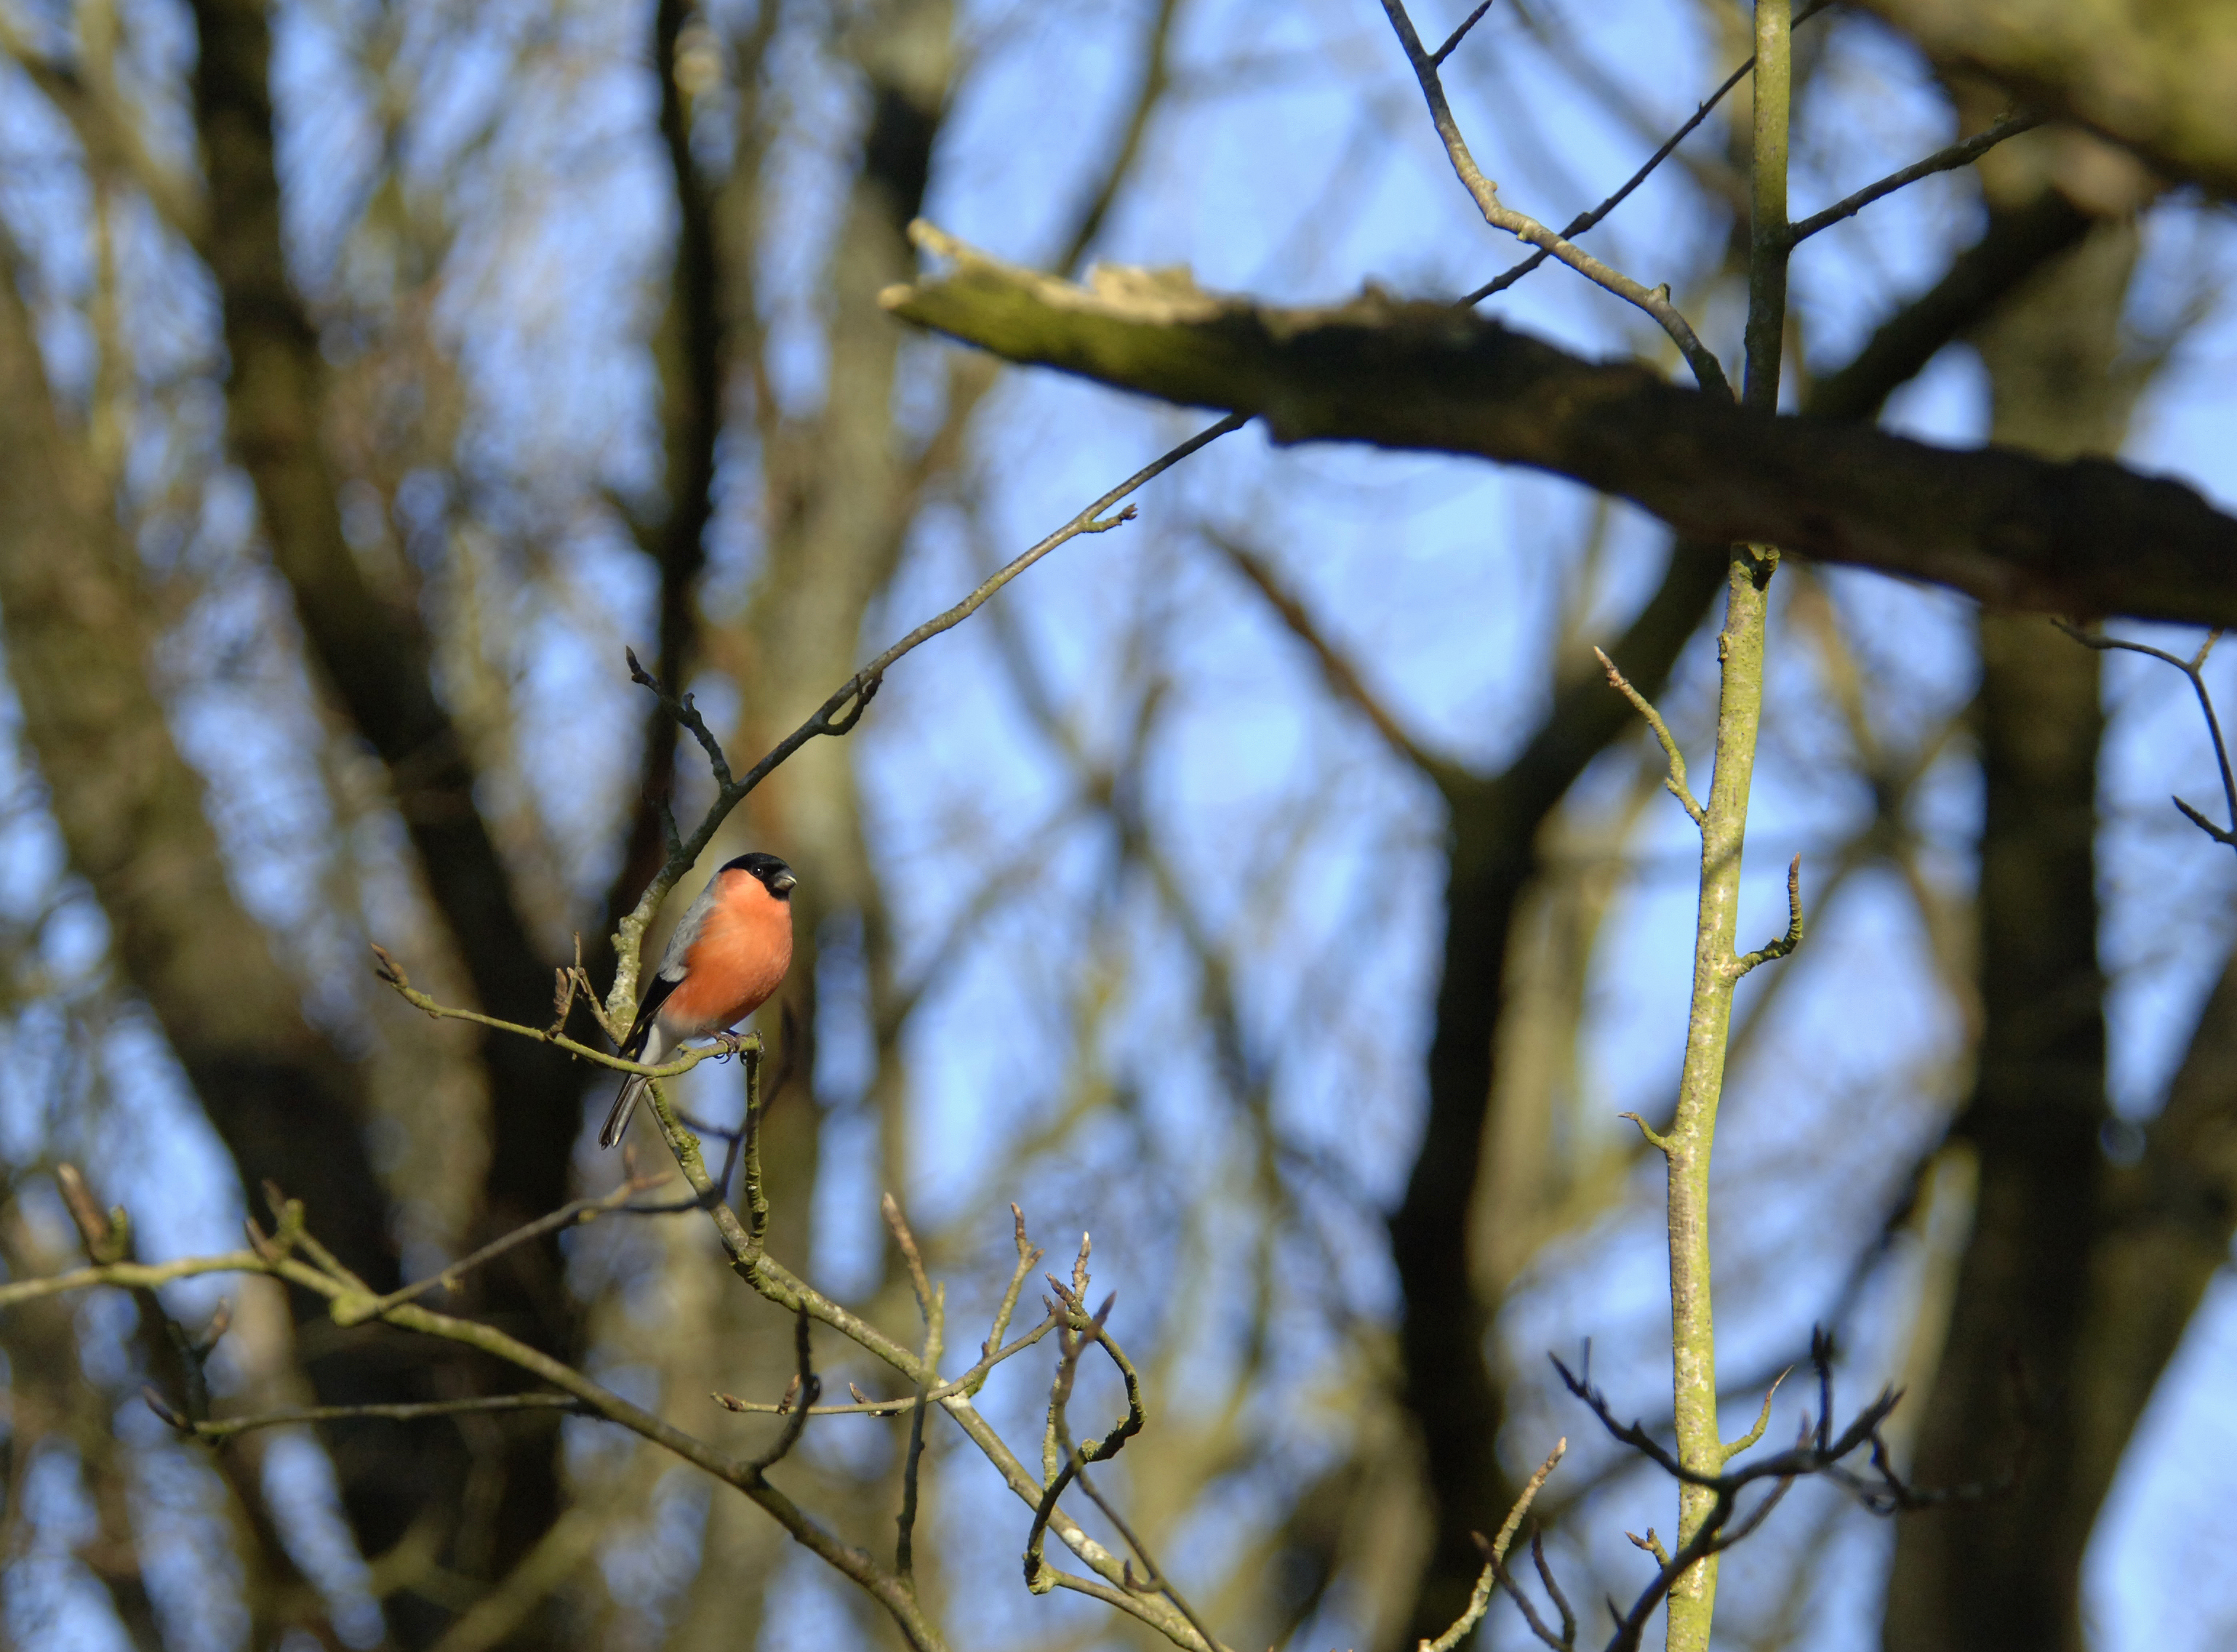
{"type": "Point", "coordinates": [2004, 1573]}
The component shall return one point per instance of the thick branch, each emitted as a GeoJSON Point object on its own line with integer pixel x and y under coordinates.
{"type": "Point", "coordinates": [2086, 536]}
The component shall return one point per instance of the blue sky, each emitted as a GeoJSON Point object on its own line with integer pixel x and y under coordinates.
{"type": "Point", "coordinates": [1295, 161]}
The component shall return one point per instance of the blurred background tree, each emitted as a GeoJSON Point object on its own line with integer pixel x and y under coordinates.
{"type": "Point", "coordinates": [1272, 888]}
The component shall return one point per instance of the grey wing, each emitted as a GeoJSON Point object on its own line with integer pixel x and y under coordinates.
{"type": "Point", "coordinates": [687, 931]}
{"type": "Point", "coordinates": [671, 969]}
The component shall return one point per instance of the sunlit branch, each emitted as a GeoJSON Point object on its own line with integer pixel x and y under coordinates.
{"type": "Point", "coordinates": [393, 973]}
{"type": "Point", "coordinates": [1675, 783]}
{"type": "Point", "coordinates": [839, 714]}
{"type": "Point", "coordinates": [966, 1384]}
{"type": "Point", "coordinates": [132, 1276]}
{"type": "Point", "coordinates": [1075, 1458]}
{"type": "Point", "coordinates": [1494, 1552]}
{"type": "Point", "coordinates": [1654, 301]}
{"type": "Point", "coordinates": [1586, 220]}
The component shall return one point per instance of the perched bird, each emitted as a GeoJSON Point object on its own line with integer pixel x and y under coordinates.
{"type": "Point", "coordinates": [726, 958]}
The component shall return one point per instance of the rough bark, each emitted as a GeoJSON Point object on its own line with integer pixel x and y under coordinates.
{"type": "Point", "coordinates": [2084, 537]}
{"type": "Point", "coordinates": [2005, 1573]}
{"type": "Point", "coordinates": [80, 641]}
{"type": "Point", "coordinates": [2155, 76]}
{"type": "Point", "coordinates": [1494, 824]}
{"type": "Point", "coordinates": [372, 648]}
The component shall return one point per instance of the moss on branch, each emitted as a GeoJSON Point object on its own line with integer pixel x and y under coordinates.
{"type": "Point", "coordinates": [2086, 536]}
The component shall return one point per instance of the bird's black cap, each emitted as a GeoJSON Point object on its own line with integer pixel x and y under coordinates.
{"type": "Point", "coordinates": [775, 876]}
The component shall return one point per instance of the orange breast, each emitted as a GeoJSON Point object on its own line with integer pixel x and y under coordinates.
{"type": "Point", "coordinates": [737, 962]}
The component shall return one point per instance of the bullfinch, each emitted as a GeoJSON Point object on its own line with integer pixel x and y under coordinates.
{"type": "Point", "coordinates": [728, 955]}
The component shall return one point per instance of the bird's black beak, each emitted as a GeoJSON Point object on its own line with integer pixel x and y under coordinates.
{"type": "Point", "coordinates": [782, 883]}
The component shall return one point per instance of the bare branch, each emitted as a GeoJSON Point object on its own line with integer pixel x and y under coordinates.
{"type": "Point", "coordinates": [1028, 1254]}
{"type": "Point", "coordinates": [1452, 40]}
{"type": "Point", "coordinates": [931, 1302]}
{"type": "Point", "coordinates": [1785, 943]}
{"type": "Point", "coordinates": [1676, 784]}
{"type": "Point", "coordinates": [133, 1276]}
{"type": "Point", "coordinates": [1586, 220]}
{"type": "Point", "coordinates": [226, 1427]}
{"type": "Point", "coordinates": [1335, 666]}
{"type": "Point", "coordinates": [1654, 301]}
{"type": "Point", "coordinates": [1957, 155]}
{"type": "Point", "coordinates": [2076, 537]}
{"type": "Point", "coordinates": [1494, 1551]}
{"type": "Point", "coordinates": [391, 973]}
{"type": "Point", "coordinates": [1156, 75]}
{"type": "Point", "coordinates": [839, 714]}
{"type": "Point", "coordinates": [1074, 1342]}
{"type": "Point", "coordinates": [567, 1215]}
{"type": "Point", "coordinates": [807, 1385]}
{"type": "Point", "coordinates": [2194, 668]}
{"type": "Point", "coordinates": [966, 1384]}
{"type": "Point", "coordinates": [680, 707]}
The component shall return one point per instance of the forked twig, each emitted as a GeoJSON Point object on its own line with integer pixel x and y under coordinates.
{"type": "Point", "coordinates": [1786, 942]}
{"type": "Point", "coordinates": [844, 707]}
{"type": "Point", "coordinates": [1655, 301]}
{"type": "Point", "coordinates": [1584, 220]}
{"type": "Point", "coordinates": [1817, 1449]}
{"type": "Point", "coordinates": [2194, 668]}
{"type": "Point", "coordinates": [1494, 1552]}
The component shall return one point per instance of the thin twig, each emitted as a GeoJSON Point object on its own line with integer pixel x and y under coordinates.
{"type": "Point", "coordinates": [1787, 942]}
{"type": "Point", "coordinates": [1077, 1457]}
{"type": "Point", "coordinates": [226, 1427]}
{"type": "Point", "coordinates": [135, 1276]}
{"type": "Point", "coordinates": [1586, 220]}
{"type": "Point", "coordinates": [2194, 668]}
{"type": "Point", "coordinates": [1028, 1254]}
{"type": "Point", "coordinates": [567, 1215]}
{"type": "Point", "coordinates": [391, 973]}
{"type": "Point", "coordinates": [1956, 154]}
{"type": "Point", "coordinates": [1675, 785]}
{"type": "Point", "coordinates": [1334, 667]}
{"type": "Point", "coordinates": [931, 1302]}
{"type": "Point", "coordinates": [1452, 41]}
{"type": "Point", "coordinates": [839, 714]}
{"type": "Point", "coordinates": [962, 1384]}
{"type": "Point", "coordinates": [808, 1386]}
{"type": "Point", "coordinates": [1654, 301]}
{"type": "Point", "coordinates": [1494, 1551]}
